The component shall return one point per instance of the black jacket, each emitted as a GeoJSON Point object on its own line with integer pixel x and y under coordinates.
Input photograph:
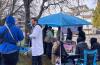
{"type": "Point", "coordinates": [96, 46]}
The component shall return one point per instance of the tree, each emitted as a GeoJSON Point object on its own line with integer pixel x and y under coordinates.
{"type": "Point", "coordinates": [27, 18]}
{"type": "Point", "coordinates": [11, 7]}
{"type": "Point", "coordinates": [27, 8]}
{"type": "Point", "coordinates": [3, 5]}
{"type": "Point", "coordinates": [38, 7]}
{"type": "Point", "coordinates": [96, 16]}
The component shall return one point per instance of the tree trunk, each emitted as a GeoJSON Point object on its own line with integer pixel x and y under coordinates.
{"type": "Point", "coordinates": [0, 8]}
{"type": "Point", "coordinates": [27, 20]}
{"type": "Point", "coordinates": [13, 7]}
{"type": "Point", "coordinates": [27, 17]}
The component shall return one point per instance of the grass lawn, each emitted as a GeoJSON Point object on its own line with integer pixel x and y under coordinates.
{"type": "Point", "coordinates": [26, 60]}
{"type": "Point", "coordinates": [98, 63]}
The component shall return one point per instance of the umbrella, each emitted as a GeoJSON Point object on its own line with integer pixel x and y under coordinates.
{"type": "Point", "coordinates": [62, 19]}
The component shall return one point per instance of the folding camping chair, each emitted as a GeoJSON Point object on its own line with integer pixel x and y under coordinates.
{"type": "Point", "coordinates": [90, 57]}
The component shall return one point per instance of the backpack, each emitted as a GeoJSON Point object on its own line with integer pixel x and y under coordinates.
{"type": "Point", "coordinates": [2, 36]}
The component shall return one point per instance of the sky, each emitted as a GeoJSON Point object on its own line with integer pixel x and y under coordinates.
{"type": "Point", "coordinates": [91, 3]}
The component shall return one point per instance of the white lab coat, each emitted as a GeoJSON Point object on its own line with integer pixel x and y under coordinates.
{"type": "Point", "coordinates": [37, 41]}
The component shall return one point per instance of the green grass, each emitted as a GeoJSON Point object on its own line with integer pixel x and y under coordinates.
{"type": "Point", "coordinates": [24, 60]}
{"type": "Point", "coordinates": [46, 61]}
{"type": "Point", "coordinates": [21, 43]}
{"type": "Point", "coordinates": [98, 63]}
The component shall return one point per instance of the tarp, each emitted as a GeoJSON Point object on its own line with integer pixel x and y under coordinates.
{"type": "Point", "coordinates": [62, 19]}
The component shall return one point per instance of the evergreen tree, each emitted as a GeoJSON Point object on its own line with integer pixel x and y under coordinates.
{"type": "Point", "coordinates": [96, 18]}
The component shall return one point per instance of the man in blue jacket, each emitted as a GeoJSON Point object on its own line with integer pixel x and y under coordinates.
{"type": "Point", "coordinates": [8, 48]}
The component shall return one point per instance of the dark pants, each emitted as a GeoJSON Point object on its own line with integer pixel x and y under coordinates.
{"type": "Point", "coordinates": [9, 59]}
{"type": "Point", "coordinates": [45, 47]}
{"type": "Point", "coordinates": [0, 59]}
{"type": "Point", "coordinates": [36, 60]}
{"type": "Point", "coordinates": [49, 50]}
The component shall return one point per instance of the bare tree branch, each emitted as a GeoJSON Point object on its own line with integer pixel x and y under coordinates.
{"type": "Point", "coordinates": [4, 6]}
{"type": "Point", "coordinates": [45, 7]}
{"type": "Point", "coordinates": [13, 6]}
{"type": "Point", "coordinates": [41, 9]}
{"type": "Point", "coordinates": [17, 9]}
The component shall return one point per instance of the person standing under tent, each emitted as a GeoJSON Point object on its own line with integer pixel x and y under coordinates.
{"type": "Point", "coordinates": [69, 34]}
{"type": "Point", "coordinates": [81, 34]}
{"type": "Point", "coordinates": [44, 35]}
{"type": "Point", "coordinates": [49, 40]}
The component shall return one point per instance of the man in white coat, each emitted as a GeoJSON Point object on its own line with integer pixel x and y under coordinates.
{"type": "Point", "coordinates": [37, 43]}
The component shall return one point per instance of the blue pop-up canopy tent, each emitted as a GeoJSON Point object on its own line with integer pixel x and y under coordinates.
{"type": "Point", "coordinates": [62, 19]}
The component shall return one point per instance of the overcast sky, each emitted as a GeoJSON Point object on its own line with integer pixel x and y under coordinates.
{"type": "Point", "coordinates": [91, 3]}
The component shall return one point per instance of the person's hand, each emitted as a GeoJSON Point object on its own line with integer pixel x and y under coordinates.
{"type": "Point", "coordinates": [28, 34]}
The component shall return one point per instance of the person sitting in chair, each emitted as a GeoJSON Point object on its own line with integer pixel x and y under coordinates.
{"type": "Point", "coordinates": [80, 47]}
{"type": "Point", "coordinates": [95, 45]}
